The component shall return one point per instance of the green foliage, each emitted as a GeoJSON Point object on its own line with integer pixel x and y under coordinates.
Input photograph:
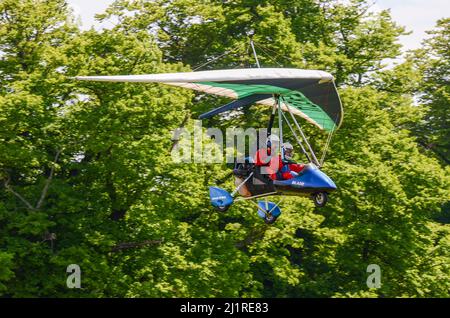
{"type": "Point", "coordinates": [5, 269]}
{"type": "Point", "coordinates": [433, 61]}
{"type": "Point", "coordinates": [86, 175]}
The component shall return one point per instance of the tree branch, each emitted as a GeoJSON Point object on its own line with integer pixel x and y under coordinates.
{"type": "Point", "coordinates": [21, 198]}
{"type": "Point", "coordinates": [254, 235]}
{"type": "Point", "coordinates": [431, 147]}
{"type": "Point", "coordinates": [47, 182]}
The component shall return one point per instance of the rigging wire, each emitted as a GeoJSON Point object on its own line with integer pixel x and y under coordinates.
{"type": "Point", "coordinates": [303, 136]}
{"type": "Point", "coordinates": [296, 138]}
{"type": "Point", "coordinates": [327, 145]}
{"type": "Point", "coordinates": [276, 53]}
{"type": "Point", "coordinates": [330, 135]}
{"type": "Point", "coordinates": [215, 59]}
{"type": "Point", "coordinates": [268, 55]}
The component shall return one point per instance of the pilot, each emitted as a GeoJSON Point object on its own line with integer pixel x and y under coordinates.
{"type": "Point", "coordinates": [288, 168]}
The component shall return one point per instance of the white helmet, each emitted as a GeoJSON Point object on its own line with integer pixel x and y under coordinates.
{"type": "Point", "coordinates": [287, 146]}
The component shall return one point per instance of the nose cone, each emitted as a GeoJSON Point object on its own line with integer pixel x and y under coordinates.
{"type": "Point", "coordinates": [328, 183]}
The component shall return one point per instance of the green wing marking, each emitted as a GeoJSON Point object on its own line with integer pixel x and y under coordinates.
{"type": "Point", "coordinates": [293, 98]}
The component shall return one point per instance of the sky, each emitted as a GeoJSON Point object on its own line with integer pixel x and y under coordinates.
{"type": "Point", "coordinates": [417, 16]}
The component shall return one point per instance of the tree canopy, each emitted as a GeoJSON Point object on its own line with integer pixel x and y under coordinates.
{"type": "Point", "coordinates": [86, 175]}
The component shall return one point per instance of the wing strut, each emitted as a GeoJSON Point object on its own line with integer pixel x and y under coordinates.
{"type": "Point", "coordinates": [311, 151]}
{"type": "Point", "coordinates": [298, 139]}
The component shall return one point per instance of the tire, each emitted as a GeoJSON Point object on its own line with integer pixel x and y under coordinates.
{"type": "Point", "coordinates": [222, 208]}
{"type": "Point", "coordinates": [270, 219]}
{"type": "Point", "coordinates": [320, 199]}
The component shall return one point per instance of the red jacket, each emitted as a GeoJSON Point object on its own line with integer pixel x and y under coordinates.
{"type": "Point", "coordinates": [275, 167]}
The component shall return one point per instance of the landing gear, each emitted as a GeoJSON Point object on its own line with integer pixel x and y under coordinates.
{"type": "Point", "coordinates": [270, 219]}
{"type": "Point", "coordinates": [268, 211]}
{"type": "Point", "coordinates": [320, 199]}
{"type": "Point", "coordinates": [222, 208]}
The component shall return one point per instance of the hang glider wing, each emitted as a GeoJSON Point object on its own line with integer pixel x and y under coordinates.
{"type": "Point", "coordinates": [310, 94]}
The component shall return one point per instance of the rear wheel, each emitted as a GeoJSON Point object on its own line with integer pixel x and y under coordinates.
{"type": "Point", "coordinates": [270, 219]}
{"type": "Point", "coordinates": [222, 208]}
{"type": "Point", "coordinates": [320, 199]}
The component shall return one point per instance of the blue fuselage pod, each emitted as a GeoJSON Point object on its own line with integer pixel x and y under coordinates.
{"type": "Point", "coordinates": [311, 179]}
{"type": "Point", "coordinates": [219, 197]}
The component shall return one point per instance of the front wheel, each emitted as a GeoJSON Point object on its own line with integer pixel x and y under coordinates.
{"type": "Point", "coordinates": [320, 199]}
{"type": "Point", "coordinates": [222, 208]}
